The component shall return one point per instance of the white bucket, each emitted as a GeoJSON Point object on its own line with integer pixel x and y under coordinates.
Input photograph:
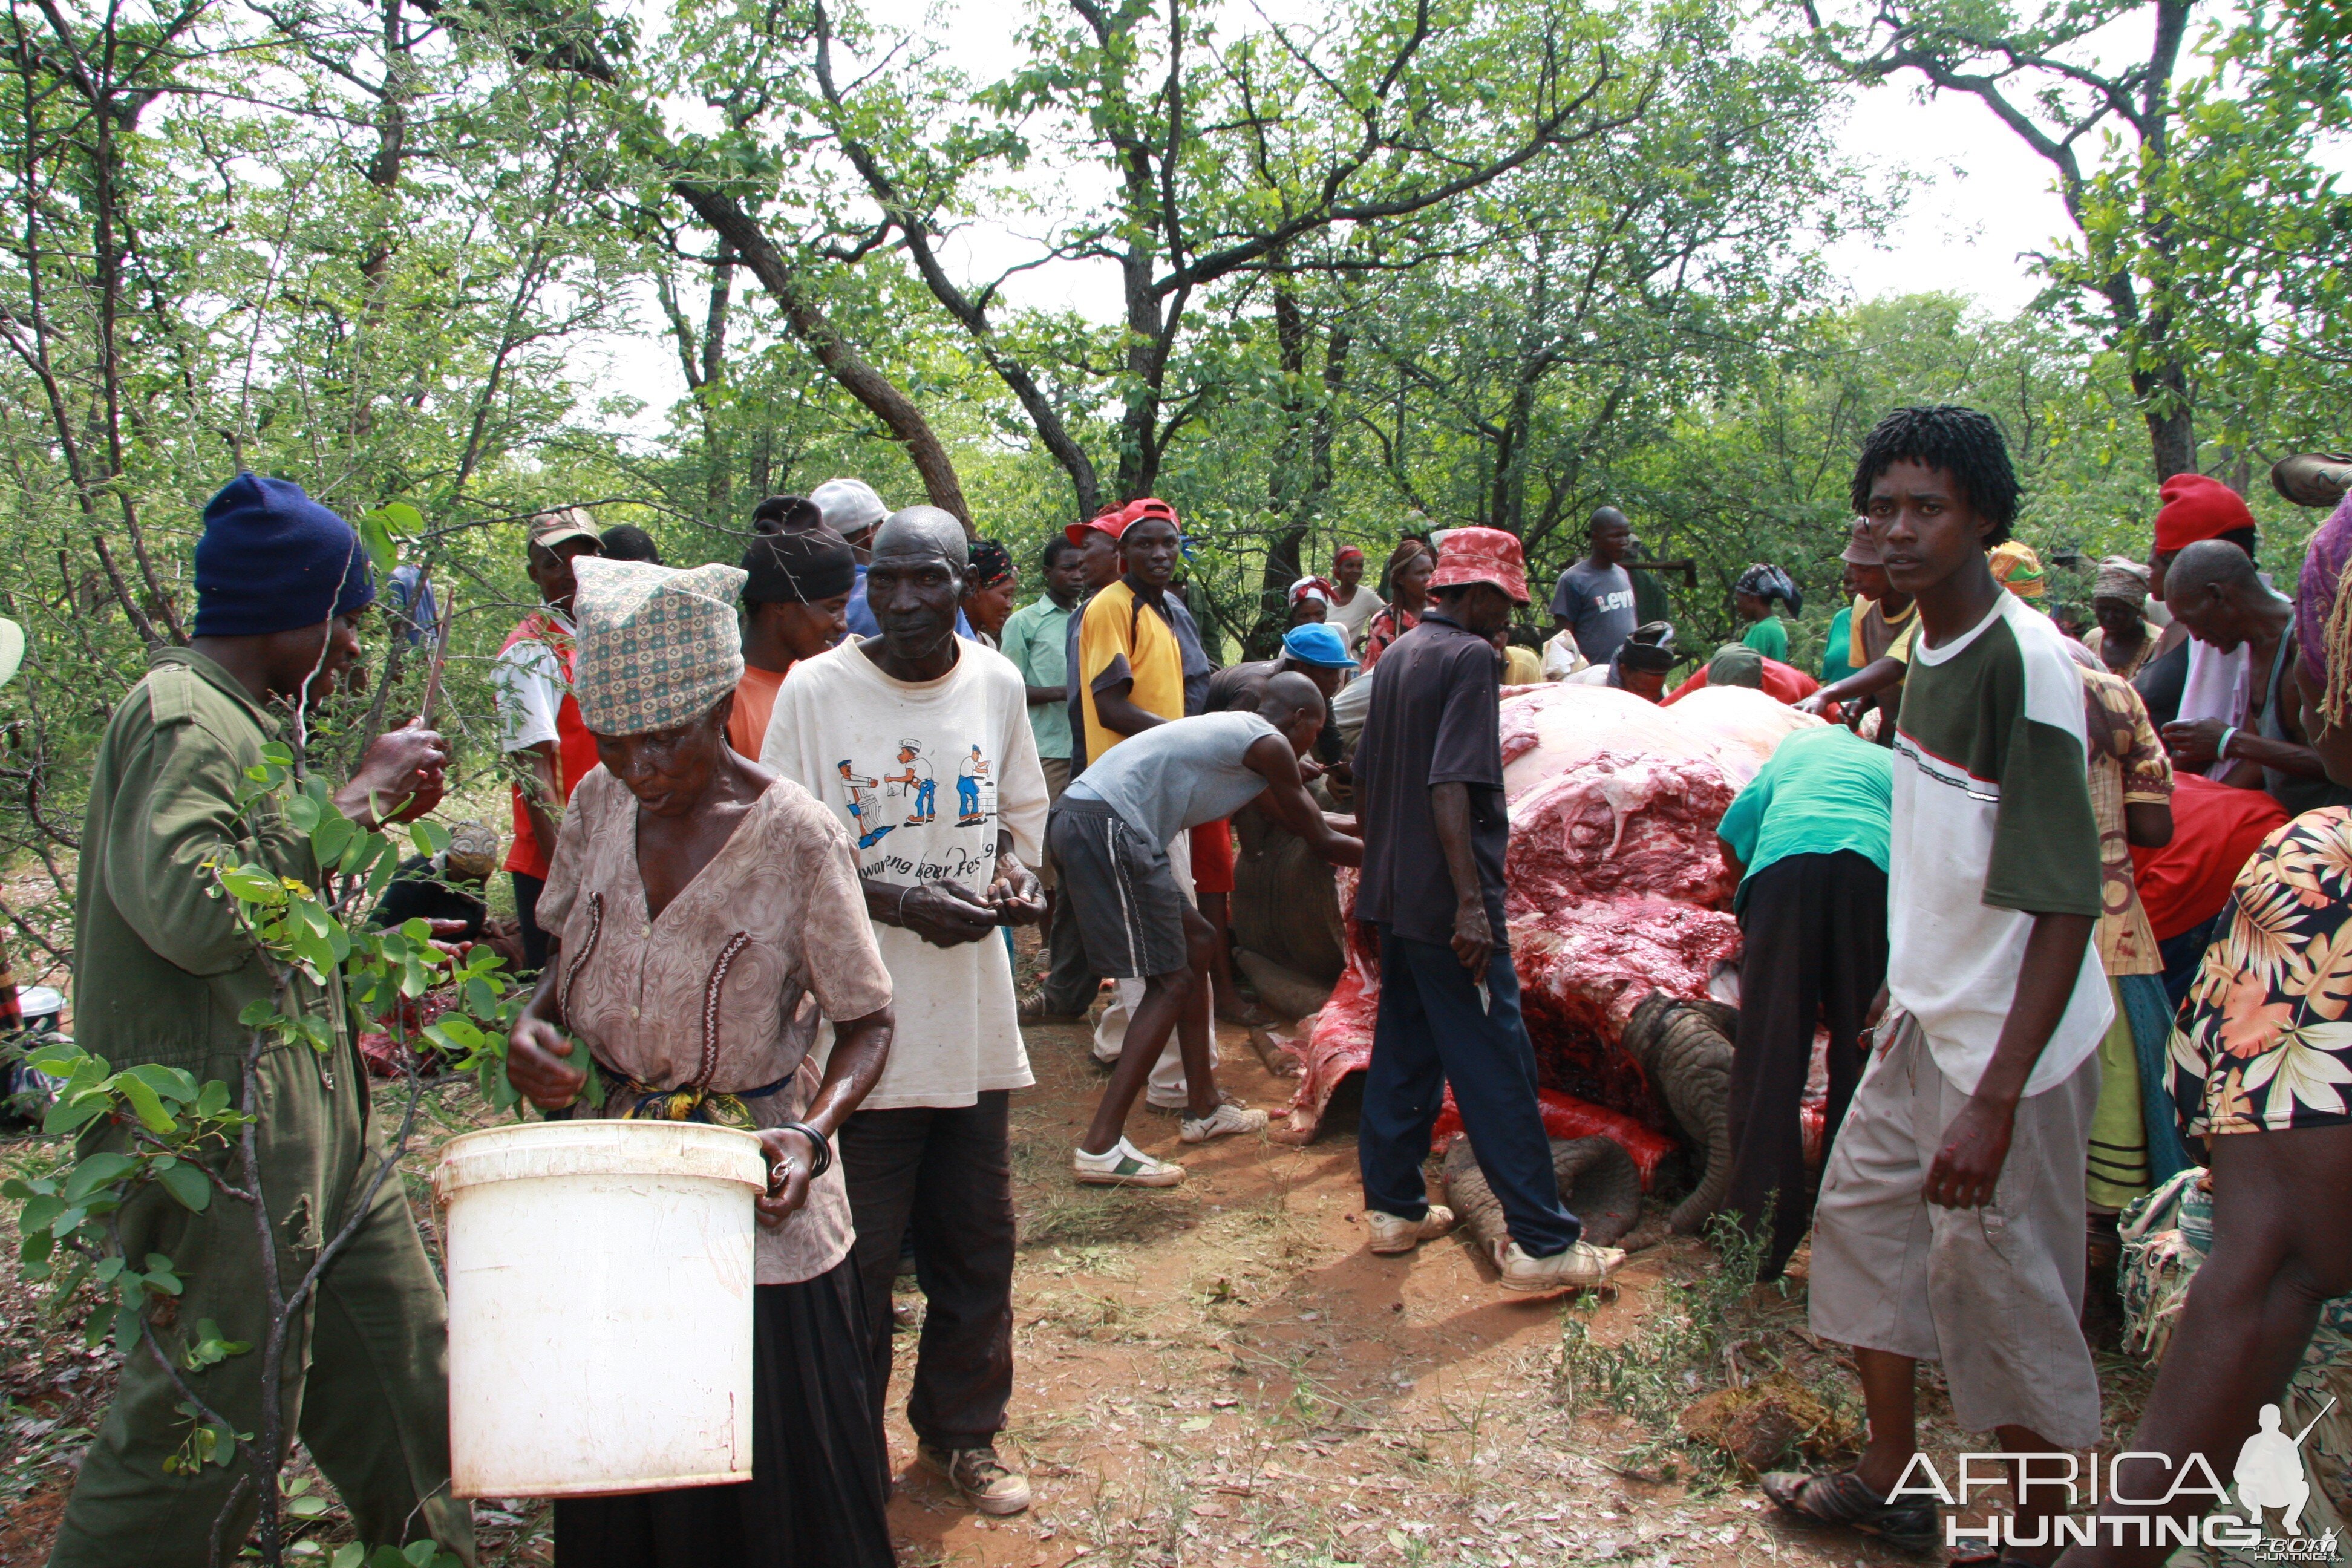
{"type": "Point", "coordinates": [600, 1306]}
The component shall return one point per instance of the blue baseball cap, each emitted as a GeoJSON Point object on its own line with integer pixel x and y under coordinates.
{"type": "Point", "coordinates": [1318, 645]}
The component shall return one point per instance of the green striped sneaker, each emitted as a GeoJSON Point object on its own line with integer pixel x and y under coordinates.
{"type": "Point", "coordinates": [1124, 1166]}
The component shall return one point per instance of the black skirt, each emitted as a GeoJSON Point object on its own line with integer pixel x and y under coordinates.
{"type": "Point", "coordinates": [819, 1492]}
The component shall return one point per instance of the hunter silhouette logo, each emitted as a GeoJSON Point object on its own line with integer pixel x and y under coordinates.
{"type": "Point", "coordinates": [2270, 1472]}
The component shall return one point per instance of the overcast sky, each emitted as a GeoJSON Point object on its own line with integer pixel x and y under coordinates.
{"type": "Point", "coordinates": [1979, 202]}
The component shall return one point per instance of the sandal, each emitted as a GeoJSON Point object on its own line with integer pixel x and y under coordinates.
{"type": "Point", "coordinates": [1843, 1499]}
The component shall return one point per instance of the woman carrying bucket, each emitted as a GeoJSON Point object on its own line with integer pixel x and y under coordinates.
{"type": "Point", "coordinates": [707, 914]}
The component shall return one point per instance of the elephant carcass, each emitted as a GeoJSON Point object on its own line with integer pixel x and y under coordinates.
{"type": "Point", "coordinates": [1285, 910]}
{"type": "Point", "coordinates": [1616, 893]}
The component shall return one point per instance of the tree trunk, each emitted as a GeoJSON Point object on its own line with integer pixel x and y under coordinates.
{"type": "Point", "coordinates": [856, 374]}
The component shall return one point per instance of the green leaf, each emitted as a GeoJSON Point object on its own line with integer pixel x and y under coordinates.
{"type": "Point", "coordinates": [144, 1102]}
{"type": "Point", "coordinates": [212, 1100]}
{"type": "Point", "coordinates": [187, 1184]}
{"type": "Point", "coordinates": [102, 1169]}
{"type": "Point", "coordinates": [332, 838]}
{"type": "Point", "coordinates": [303, 812]}
{"type": "Point", "coordinates": [429, 837]}
{"type": "Point", "coordinates": [306, 1505]}
{"type": "Point", "coordinates": [376, 532]}
{"type": "Point", "coordinates": [351, 1554]}
{"type": "Point", "coordinates": [126, 1328]}
{"type": "Point", "coordinates": [170, 1084]}
{"type": "Point", "coordinates": [251, 885]}
{"type": "Point", "coordinates": [455, 1031]}
{"type": "Point", "coordinates": [68, 1114]}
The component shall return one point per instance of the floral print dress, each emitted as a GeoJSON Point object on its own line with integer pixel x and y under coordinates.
{"type": "Point", "coordinates": [2265, 1042]}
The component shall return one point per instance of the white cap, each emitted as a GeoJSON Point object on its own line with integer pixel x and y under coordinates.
{"type": "Point", "coordinates": [849, 506]}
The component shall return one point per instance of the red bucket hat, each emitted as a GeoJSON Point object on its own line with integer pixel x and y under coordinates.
{"type": "Point", "coordinates": [1468, 555]}
{"type": "Point", "coordinates": [2195, 507]}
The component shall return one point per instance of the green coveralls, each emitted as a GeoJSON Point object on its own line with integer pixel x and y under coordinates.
{"type": "Point", "coordinates": [161, 974]}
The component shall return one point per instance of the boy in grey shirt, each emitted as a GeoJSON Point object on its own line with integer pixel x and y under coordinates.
{"type": "Point", "coordinates": [1110, 833]}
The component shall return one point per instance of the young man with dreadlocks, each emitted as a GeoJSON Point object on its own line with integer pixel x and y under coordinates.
{"type": "Point", "coordinates": [1951, 1221]}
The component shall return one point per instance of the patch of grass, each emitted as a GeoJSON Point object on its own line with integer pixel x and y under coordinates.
{"type": "Point", "coordinates": [1702, 1336]}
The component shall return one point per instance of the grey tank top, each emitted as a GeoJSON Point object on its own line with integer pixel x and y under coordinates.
{"type": "Point", "coordinates": [1178, 775]}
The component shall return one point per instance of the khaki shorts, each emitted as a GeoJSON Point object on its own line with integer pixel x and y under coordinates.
{"type": "Point", "coordinates": [1995, 1294]}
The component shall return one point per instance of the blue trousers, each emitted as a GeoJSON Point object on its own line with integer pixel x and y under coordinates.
{"type": "Point", "coordinates": [1432, 1032]}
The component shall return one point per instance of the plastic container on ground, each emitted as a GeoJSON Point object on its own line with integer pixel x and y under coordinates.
{"type": "Point", "coordinates": [600, 1306]}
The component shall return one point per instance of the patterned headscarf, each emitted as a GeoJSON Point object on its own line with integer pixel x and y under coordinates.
{"type": "Point", "coordinates": [657, 647]}
{"type": "Point", "coordinates": [990, 564]}
{"type": "Point", "coordinates": [1768, 582]}
{"type": "Point", "coordinates": [2120, 581]}
{"type": "Point", "coordinates": [2018, 568]}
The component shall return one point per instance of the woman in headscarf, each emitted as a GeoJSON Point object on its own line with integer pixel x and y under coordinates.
{"type": "Point", "coordinates": [2016, 568]}
{"type": "Point", "coordinates": [1310, 600]}
{"type": "Point", "coordinates": [1353, 605]}
{"type": "Point", "coordinates": [707, 915]}
{"type": "Point", "coordinates": [2262, 1072]}
{"type": "Point", "coordinates": [990, 586]}
{"type": "Point", "coordinates": [1411, 565]}
{"type": "Point", "coordinates": [1752, 597]}
{"type": "Point", "coordinates": [2123, 639]}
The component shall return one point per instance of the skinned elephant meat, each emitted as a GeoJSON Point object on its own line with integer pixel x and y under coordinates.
{"type": "Point", "coordinates": [1684, 1050]}
{"type": "Point", "coordinates": [1615, 891]}
{"type": "Point", "coordinates": [1598, 1184]}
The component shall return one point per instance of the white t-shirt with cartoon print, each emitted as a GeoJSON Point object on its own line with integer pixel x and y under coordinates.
{"type": "Point", "coordinates": [924, 775]}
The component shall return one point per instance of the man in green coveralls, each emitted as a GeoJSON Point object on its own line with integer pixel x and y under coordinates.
{"type": "Point", "coordinates": [161, 974]}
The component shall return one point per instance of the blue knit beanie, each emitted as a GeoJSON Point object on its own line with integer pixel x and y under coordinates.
{"type": "Point", "coordinates": [271, 559]}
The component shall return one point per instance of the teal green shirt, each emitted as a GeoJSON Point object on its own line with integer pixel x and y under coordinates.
{"type": "Point", "coordinates": [1823, 790]}
{"type": "Point", "coordinates": [1769, 638]}
{"type": "Point", "coordinates": [1834, 668]}
{"type": "Point", "coordinates": [1036, 638]}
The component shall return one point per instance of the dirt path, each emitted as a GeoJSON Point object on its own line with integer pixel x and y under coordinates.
{"type": "Point", "coordinates": [1224, 1375]}
{"type": "Point", "coordinates": [1221, 1374]}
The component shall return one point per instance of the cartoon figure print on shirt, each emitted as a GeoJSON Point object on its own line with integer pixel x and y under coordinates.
{"type": "Point", "coordinates": [864, 807]}
{"type": "Point", "coordinates": [969, 775]}
{"type": "Point", "coordinates": [914, 777]}
{"type": "Point", "coordinates": [926, 850]}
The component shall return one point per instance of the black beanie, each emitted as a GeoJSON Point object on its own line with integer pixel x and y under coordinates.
{"type": "Point", "coordinates": [801, 567]}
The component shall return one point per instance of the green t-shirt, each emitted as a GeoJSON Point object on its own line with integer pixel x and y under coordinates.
{"type": "Point", "coordinates": [1769, 638]}
{"type": "Point", "coordinates": [1824, 790]}
{"type": "Point", "coordinates": [1035, 639]}
{"type": "Point", "coordinates": [1993, 826]}
{"type": "Point", "coordinates": [1835, 667]}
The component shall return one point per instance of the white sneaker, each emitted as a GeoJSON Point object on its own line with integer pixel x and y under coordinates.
{"type": "Point", "coordinates": [1581, 1266]}
{"type": "Point", "coordinates": [1228, 1118]}
{"type": "Point", "coordinates": [1125, 1165]}
{"type": "Point", "coordinates": [1394, 1233]}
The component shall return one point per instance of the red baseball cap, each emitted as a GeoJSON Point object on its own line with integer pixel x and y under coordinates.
{"type": "Point", "coordinates": [2195, 507]}
{"type": "Point", "coordinates": [1466, 555]}
{"type": "Point", "coordinates": [1118, 520]}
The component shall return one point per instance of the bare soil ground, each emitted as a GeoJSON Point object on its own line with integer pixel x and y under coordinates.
{"type": "Point", "coordinates": [1221, 1374]}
